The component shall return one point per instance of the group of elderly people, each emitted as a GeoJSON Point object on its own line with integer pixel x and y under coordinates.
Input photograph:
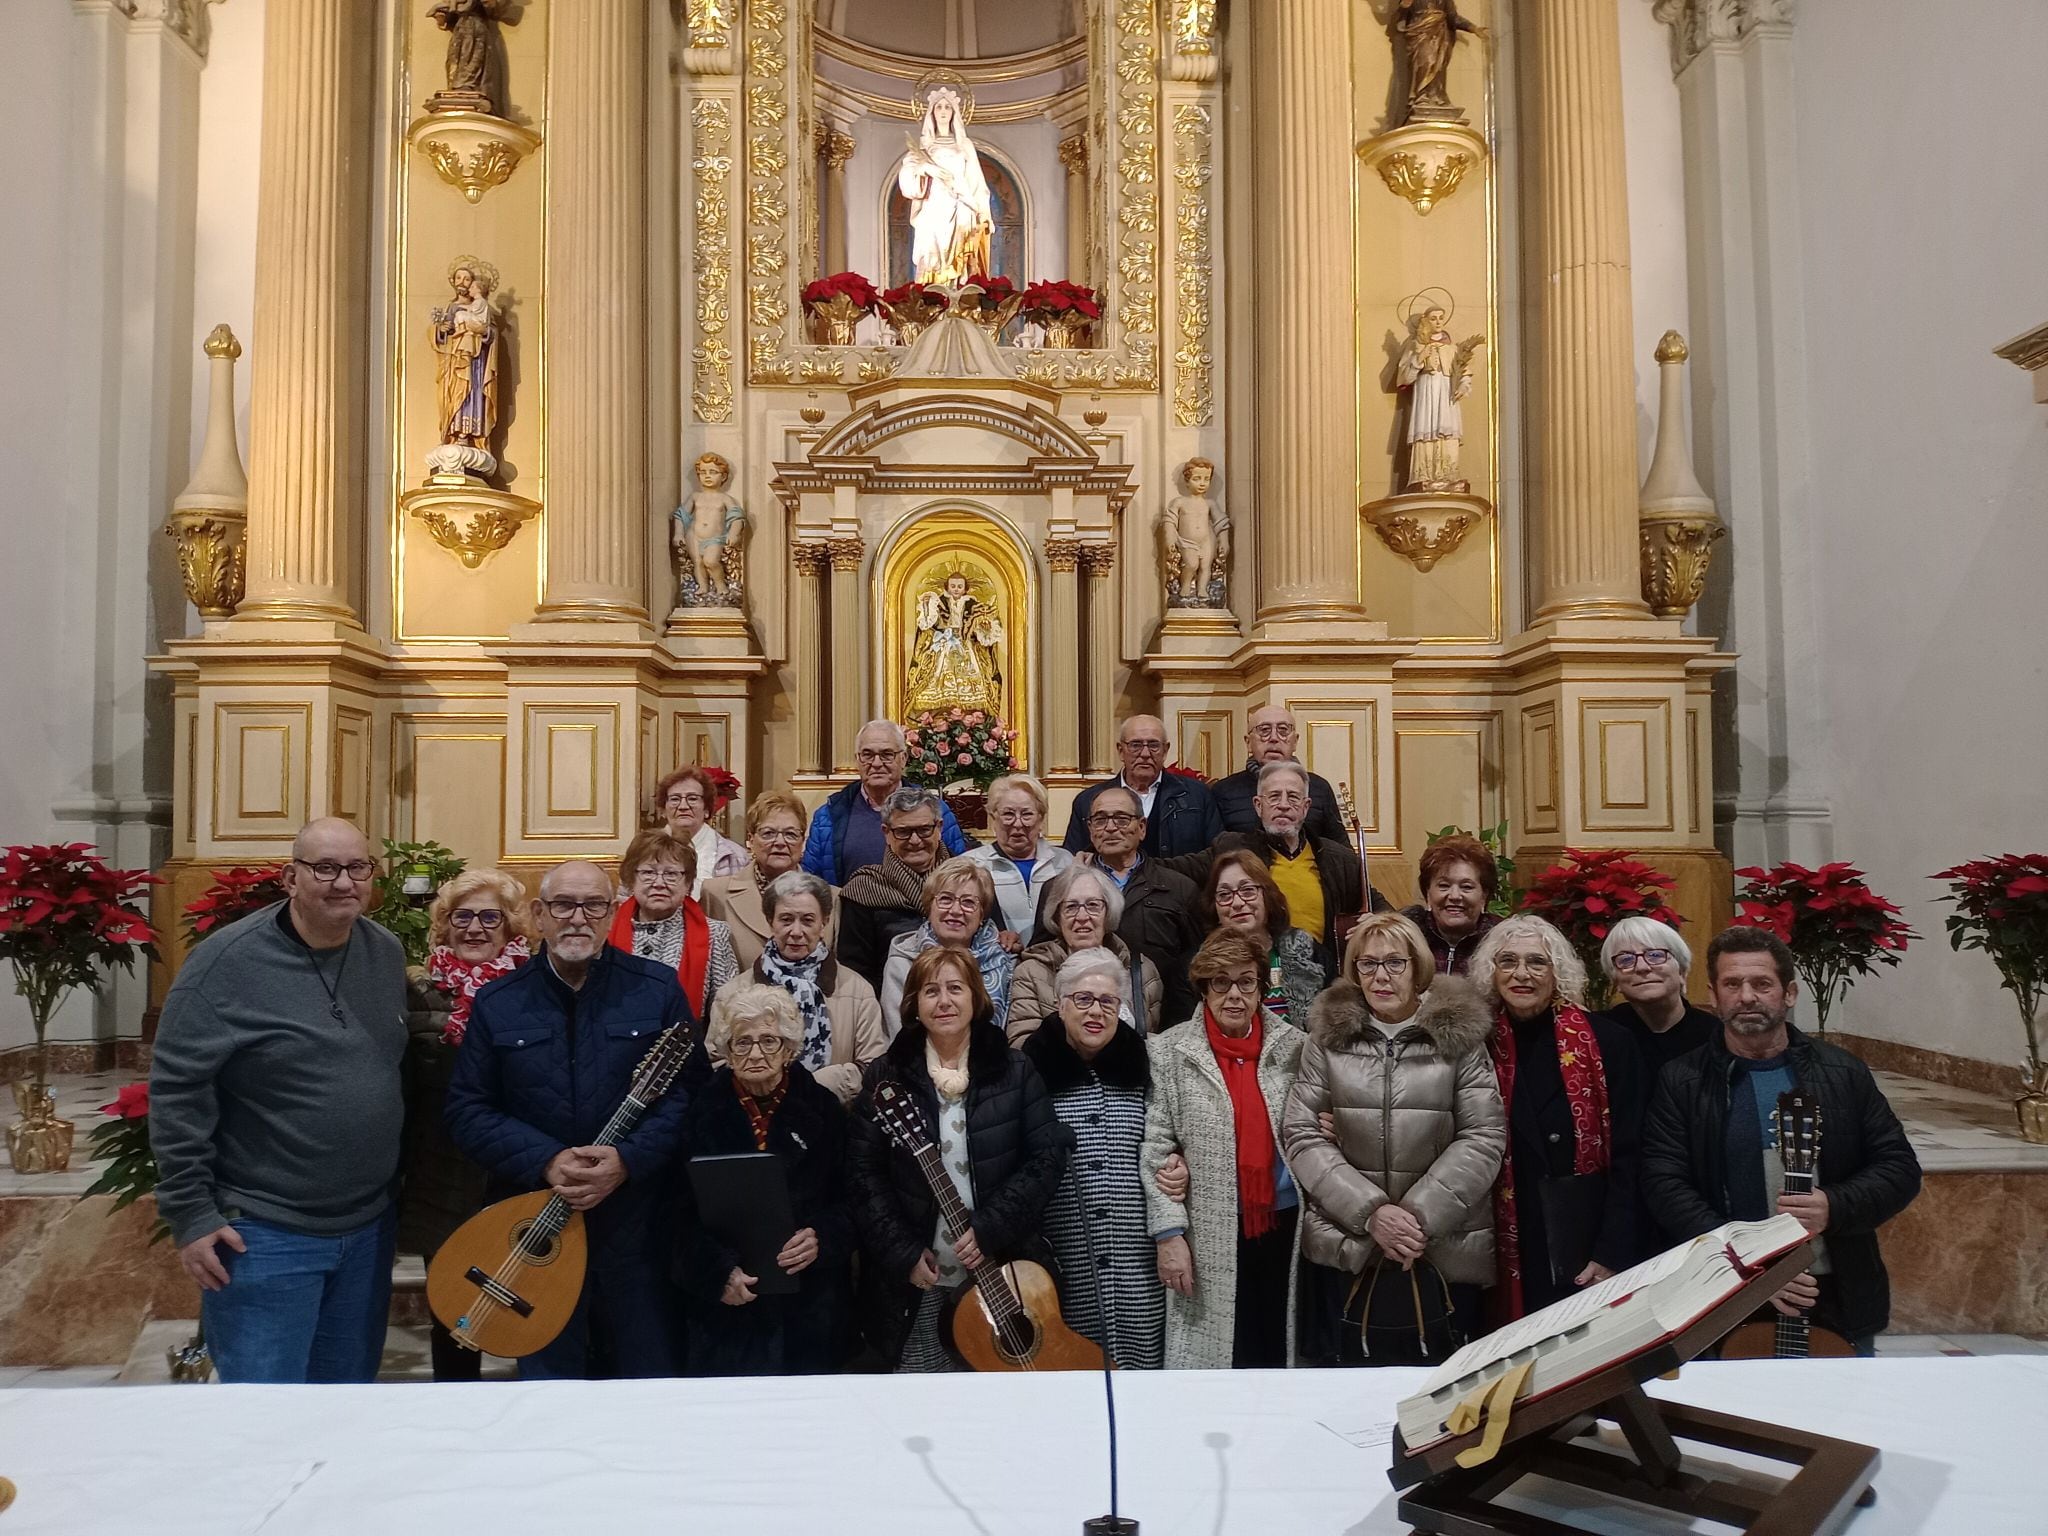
{"type": "Point", "coordinates": [1145, 1059]}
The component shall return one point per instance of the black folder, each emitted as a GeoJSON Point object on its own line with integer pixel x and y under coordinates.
{"type": "Point", "coordinates": [1573, 1210]}
{"type": "Point", "coordinates": [743, 1201]}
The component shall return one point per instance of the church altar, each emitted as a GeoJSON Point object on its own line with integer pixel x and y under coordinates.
{"type": "Point", "coordinates": [1213, 1451]}
{"type": "Point", "coordinates": [672, 416]}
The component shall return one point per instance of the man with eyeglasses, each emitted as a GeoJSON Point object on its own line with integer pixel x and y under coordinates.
{"type": "Point", "coordinates": [276, 1108]}
{"type": "Point", "coordinates": [1159, 905]}
{"type": "Point", "coordinates": [1180, 817]}
{"type": "Point", "coordinates": [846, 832]}
{"type": "Point", "coordinates": [547, 1059]}
{"type": "Point", "coordinates": [886, 899]}
{"type": "Point", "coordinates": [1271, 736]}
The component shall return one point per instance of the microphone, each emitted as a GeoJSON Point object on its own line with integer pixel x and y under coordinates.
{"type": "Point", "coordinates": [1113, 1523]}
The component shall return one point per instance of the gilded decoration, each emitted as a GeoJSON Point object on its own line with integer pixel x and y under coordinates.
{"type": "Point", "coordinates": [956, 594]}
{"type": "Point", "coordinates": [1062, 556]}
{"type": "Point", "coordinates": [1680, 526]}
{"type": "Point", "coordinates": [472, 151]}
{"type": "Point", "coordinates": [1194, 278]}
{"type": "Point", "coordinates": [711, 387]}
{"type": "Point", "coordinates": [210, 517]}
{"type": "Point", "coordinates": [709, 22]}
{"type": "Point", "coordinates": [771, 233]}
{"type": "Point", "coordinates": [811, 558]}
{"type": "Point", "coordinates": [210, 560]}
{"type": "Point", "coordinates": [1422, 528]}
{"type": "Point", "coordinates": [1677, 554]}
{"type": "Point", "coordinates": [469, 520]}
{"type": "Point", "coordinates": [846, 551]}
{"type": "Point", "coordinates": [1424, 162]}
{"type": "Point", "coordinates": [1098, 560]}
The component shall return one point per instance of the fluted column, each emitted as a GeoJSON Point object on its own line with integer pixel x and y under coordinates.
{"type": "Point", "coordinates": [1074, 156]}
{"type": "Point", "coordinates": [1301, 208]}
{"type": "Point", "coordinates": [812, 560]}
{"type": "Point", "coordinates": [1058, 747]}
{"type": "Point", "coordinates": [1098, 564]}
{"type": "Point", "coordinates": [835, 149]}
{"type": "Point", "coordinates": [596, 286]}
{"type": "Point", "coordinates": [306, 389]}
{"type": "Point", "coordinates": [1586, 539]}
{"type": "Point", "coordinates": [849, 650]}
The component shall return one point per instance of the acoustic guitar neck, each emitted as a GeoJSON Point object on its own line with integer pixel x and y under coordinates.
{"type": "Point", "coordinates": [555, 1214]}
{"type": "Point", "coordinates": [1004, 1308]}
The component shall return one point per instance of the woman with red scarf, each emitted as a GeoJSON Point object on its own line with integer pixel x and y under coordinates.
{"type": "Point", "coordinates": [659, 919]}
{"type": "Point", "coordinates": [477, 929]}
{"type": "Point", "coordinates": [1564, 1209]}
{"type": "Point", "coordinates": [1218, 1085]}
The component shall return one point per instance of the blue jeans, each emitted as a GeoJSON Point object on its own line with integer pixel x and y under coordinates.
{"type": "Point", "coordinates": [299, 1307]}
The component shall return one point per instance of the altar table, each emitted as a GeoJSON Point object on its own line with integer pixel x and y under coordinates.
{"type": "Point", "coordinates": [1255, 1452]}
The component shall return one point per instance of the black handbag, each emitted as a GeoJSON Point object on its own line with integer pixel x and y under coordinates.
{"type": "Point", "coordinates": [1404, 1317]}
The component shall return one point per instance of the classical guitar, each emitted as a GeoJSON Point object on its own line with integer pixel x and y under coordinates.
{"type": "Point", "coordinates": [1349, 812]}
{"type": "Point", "coordinates": [1007, 1316]}
{"type": "Point", "coordinates": [506, 1281]}
{"type": "Point", "coordinates": [1797, 1123]}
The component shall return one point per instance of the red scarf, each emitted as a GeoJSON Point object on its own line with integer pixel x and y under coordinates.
{"type": "Point", "coordinates": [761, 1112]}
{"type": "Point", "coordinates": [1585, 1089]}
{"type": "Point", "coordinates": [1237, 1057]}
{"type": "Point", "coordinates": [462, 979]}
{"type": "Point", "coordinates": [696, 960]}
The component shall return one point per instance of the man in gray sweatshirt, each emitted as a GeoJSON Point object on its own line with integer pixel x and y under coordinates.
{"type": "Point", "coordinates": [275, 1111]}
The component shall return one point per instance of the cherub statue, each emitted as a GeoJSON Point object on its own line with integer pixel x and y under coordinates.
{"type": "Point", "coordinates": [710, 539]}
{"type": "Point", "coordinates": [1194, 535]}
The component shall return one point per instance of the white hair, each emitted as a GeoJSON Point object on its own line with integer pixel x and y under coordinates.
{"type": "Point", "coordinates": [750, 1002]}
{"type": "Point", "coordinates": [1282, 765]}
{"type": "Point", "coordinates": [1083, 963]}
{"type": "Point", "coordinates": [1019, 784]}
{"type": "Point", "coordinates": [1065, 885]}
{"type": "Point", "coordinates": [1565, 963]}
{"type": "Point", "coordinates": [1644, 933]}
{"type": "Point", "coordinates": [895, 733]}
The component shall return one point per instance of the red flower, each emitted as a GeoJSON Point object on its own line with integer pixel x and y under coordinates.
{"type": "Point", "coordinates": [725, 786]}
{"type": "Point", "coordinates": [1056, 299]}
{"type": "Point", "coordinates": [1836, 927]}
{"type": "Point", "coordinates": [1182, 771]}
{"type": "Point", "coordinates": [994, 290]}
{"type": "Point", "coordinates": [856, 289]}
{"type": "Point", "coordinates": [131, 1103]}
{"type": "Point", "coordinates": [914, 296]}
{"type": "Point", "coordinates": [234, 894]}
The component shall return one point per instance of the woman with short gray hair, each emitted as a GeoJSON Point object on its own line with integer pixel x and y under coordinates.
{"type": "Point", "coordinates": [1080, 910]}
{"type": "Point", "coordinates": [1647, 963]}
{"type": "Point", "coordinates": [1095, 1067]}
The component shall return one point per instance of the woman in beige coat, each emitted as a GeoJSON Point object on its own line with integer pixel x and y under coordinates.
{"type": "Point", "coordinates": [1080, 911]}
{"type": "Point", "coordinates": [1395, 1132]}
{"type": "Point", "coordinates": [1226, 1249]}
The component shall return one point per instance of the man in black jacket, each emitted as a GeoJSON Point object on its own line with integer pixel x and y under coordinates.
{"type": "Point", "coordinates": [1180, 817]}
{"type": "Point", "coordinates": [1159, 905]}
{"type": "Point", "coordinates": [1272, 737]}
{"type": "Point", "coordinates": [1708, 1145]}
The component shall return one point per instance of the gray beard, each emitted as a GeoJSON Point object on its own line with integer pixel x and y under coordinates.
{"type": "Point", "coordinates": [1750, 1028]}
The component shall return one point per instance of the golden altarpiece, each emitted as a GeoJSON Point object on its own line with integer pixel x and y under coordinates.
{"type": "Point", "coordinates": [557, 480]}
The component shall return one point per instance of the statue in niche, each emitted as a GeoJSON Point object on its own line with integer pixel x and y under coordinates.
{"type": "Point", "coordinates": [1194, 536]}
{"type": "Point", "coordinates": [953, 659]}
{"type": "Point", "coordinates": [471, 26]}
{"type": "Point", "coordinates": [710, 540]}
{"type": "Point", "coordinates": [1430, 29]}
{"type": "Point", "coordinates": [467, 334]}
{"type": "Point", "coordinates": [1436, 370]}
{"type": "Point", "coordinates": [951, 220]}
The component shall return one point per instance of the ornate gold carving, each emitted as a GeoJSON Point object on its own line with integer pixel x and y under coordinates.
{"type": "Point", "coordinates": [210, 559]}
{"type": "Point", "coordinates": [1137, 159]}
{"type": "Point", "coordinates": [472, 151]}
{"type": "Point", "coordinates": [1672, 349]}
{"type": "Point", "coordinates": [767, 193]}
{"type": "Point", "coordinates": [1074, 153]}
{"type": "Point", "coordinates": [1194, 40]}
{"type": "Point", "coordinates": [711, 160]}
{"type": "Point", "coordinates": [1062, 555]}
{"type": "Point", "coordinates": [846, 551]}
{"type": "Point", "coordinates": [1677, 553]}
{"type": "Point", "coordinates": [1192, 146]}
{"type": "Point", "coordinates": [1424, 162]}
{"type": "Point", "coordinates": [1407, 176]}
{"type": "Point", "coordinates": [877, 367]}
{"type": "Point", "coordinates": [470, 521]}
{"type": "Point", "coordinates": [1098, 559]}
{"type": "Point", "coordinates": [1040, 369]}
{"type": "Point", "coordinates": [709, 23]}
{"type": "Point", "coordinates": [816, 369]}
{"type": "Point", "coordinates": [835, 148]}
{"type": "Point", "coordinates": [811, 558]}
{"type": "Point", "coordinates": [1424, 526]}
{"type": "Point", "coordinates": [221, 342]}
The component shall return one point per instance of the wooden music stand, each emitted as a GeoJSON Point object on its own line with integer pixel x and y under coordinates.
{"type": "Point", "coordinates": [1544, 1440]}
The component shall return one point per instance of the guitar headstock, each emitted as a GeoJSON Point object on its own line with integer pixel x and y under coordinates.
{"type": "Point", "coordinates": [1797, 1120]}
{"type": "Point", "coordinates": [1347, 809]}
{"type": "Point", "coordinates": [658, 1068]}
{"type": "Point", "coordinates": [897, 1114]}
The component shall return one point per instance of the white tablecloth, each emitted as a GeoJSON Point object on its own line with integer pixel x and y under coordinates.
{"type": "Point", "coordinates": [1211, 1452]}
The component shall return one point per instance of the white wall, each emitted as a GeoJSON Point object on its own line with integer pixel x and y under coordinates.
{"type": "Point", "coordinates": [1656, 202]}
{"type": "Point", "coordinates": [224, 261]}
{"type": "Point", "coordinates": [1925, 182]}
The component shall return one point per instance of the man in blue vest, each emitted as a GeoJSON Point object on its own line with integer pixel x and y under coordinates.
{"type": "Point", "coordinates": [846, 831]}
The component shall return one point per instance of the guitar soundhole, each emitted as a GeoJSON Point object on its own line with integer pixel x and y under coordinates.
{"type": "Point", "coordinates": [542, 1250]}
{"type": "Point", "coordinates": [1018, 1338]}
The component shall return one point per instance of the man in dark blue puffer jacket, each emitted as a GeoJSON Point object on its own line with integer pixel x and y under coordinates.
{"type": "Point", "coordinates": [549, 1055]}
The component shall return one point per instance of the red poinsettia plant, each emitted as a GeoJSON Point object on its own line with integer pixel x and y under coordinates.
{"type": "Point", "coordinates": [235, 893]}
{"type": "Point", "coordinates": [959, 746]}
{"type": "Point", "coordinates": [915, 296]}
{"type": "Point", "coordinates": [1590, 891]}
{"type": "Point", "coordinates": [1050, 301]}
{"type": "Point", "coordinates": [725, 786]}
{"type": "Point", "coordinates": [995, 291]}
{"type": "Point", "coordinates": [122, 1142]}
{"type": "Point", "coordinates": [2001, 907]}
{"type": "Point", "coordinates": [66, 917]}
{"type": "Point", "coordinates": [860, 294]}
{"type": "Point", "coordinates": [1836, 926]}
{"type": "Point", "coordinates": [1183, 771]}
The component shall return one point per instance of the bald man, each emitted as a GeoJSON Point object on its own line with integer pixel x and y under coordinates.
{"type": "Point", "coordinates": [547, 1059]}
{"type": "Point", "coordinates": [1180, 817]}
{"type": "Point", "coordinates": [275, 1114]}
{"type": "Point", "coordinates": [1271, 736]}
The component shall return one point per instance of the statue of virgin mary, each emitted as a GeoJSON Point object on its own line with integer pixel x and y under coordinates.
{"type": "Point", "coordinates": [950, 218]}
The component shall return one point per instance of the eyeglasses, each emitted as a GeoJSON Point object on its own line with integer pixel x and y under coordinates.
{"type": "Point", "coordinates": [956, 901]}
{"type": "Point", "coordinates": [465, 917]}
{"type": "Point", "coordinates": [562, 908]}
{"type": "Point", "coordinates": [1089, 907]}
{"type": "Point", "coordinates": [1095, 1002]}
{"type": "Point", "coordinates": [687, 801]}
{"type": "Point", "coordinates": [1237, 896]}
{"type": "Point", "coordinates": [767, 1047]}
{"type": "Point", "coordinates": [1223, 986]}
{"type": "Point", "coordinates": [1649, 959]}
{"type": "Point", "coordinates": [1018, 818]}
{"type": "Point", "coordinates": [665, 877]}
{"type": "Point", "coordinates": [1282, 799]}
{"type": "Point", "coordinates": [1271, 732]}
{"type": "Point", "coordinates": [878, 754]}
{"type": "Point", "coordinates": [1534, 965]}
{"type": "Point", "coordinates": [1390, 965]}
{"type": "Point", "coordinates": [1145, 748]}
{"type": "Point", "coordinates": [782, 835]}
{"type": "Point", "coordinates": [921, 834]}
{"type": "Point", "coordinates": [1113, 819]}
{"type": "Point", "coordinates": [327, 871]}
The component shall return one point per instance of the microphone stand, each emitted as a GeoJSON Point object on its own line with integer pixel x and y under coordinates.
{"type": "Point", "coordinates": [1113, 1523]}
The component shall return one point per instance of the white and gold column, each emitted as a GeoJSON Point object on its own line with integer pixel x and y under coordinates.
{"type": "Point", "coordinates": [306, 392]}
{"type": "Point", "coordinates": [1074, 156]}
{"type": "Point", "coordinates": [1098, 566]}
{"type": "Point", "coordinates": [849, 650]}
{"type": "Point", "coordinates": [834, 149]}
{"type": "Point", "coordinates": [813, 562]}
{"type": "Point", "coordinates": [1060, 736]}
{"type": "Point", "coordinates": [1585, 523]}
{"type": "Point", "coordinates": [597, 313]}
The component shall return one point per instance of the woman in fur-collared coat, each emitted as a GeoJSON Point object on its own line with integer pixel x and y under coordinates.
{"type": "Point", "coordinates": [1395, 1133]}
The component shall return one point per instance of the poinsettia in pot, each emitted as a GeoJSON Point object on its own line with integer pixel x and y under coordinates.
{"type": "Point", "coordinates": [836, 304]}
{"type": "Point", "coordinates": [236, 892]}
{"type": "Point", "coordinates": [1836, 926]}
{"type": "Point", "coordinates": [1067, 311]}
{"type": "Point", "coordinates": [67, 917]}
{"type": "Point", "coordinates": [960, 753]}
{"type": "Point", "coordinates": [1591, 890]}
{"type": "Point", "coordinates": [2002, 908]}
{"type": "Point", "coordinates": [911, 307]}
{"type": "Point", "coordinates": [990, 302]}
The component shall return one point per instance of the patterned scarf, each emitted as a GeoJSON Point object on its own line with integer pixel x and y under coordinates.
{"type": "Point", "coordinates": [462, 978]}
{"type": "Point", "coordinates": [682, 939]}
{"type": "Point", "coordinates": [800, 979]}
{"type": "Point", "coordinates": [1237, 1057]}
{"type": "Point", "coordinates": [761, 1112]}
{"type": "Point", "coordinates": [889, 884]}
{"type": "Point", "coordinates": [1585, 1089]}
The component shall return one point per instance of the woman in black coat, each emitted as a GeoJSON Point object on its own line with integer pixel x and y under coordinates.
{"type": "Point", "coordinates": [760, 1101]}
{"type": "Point", "coordinates": [992, 1120]}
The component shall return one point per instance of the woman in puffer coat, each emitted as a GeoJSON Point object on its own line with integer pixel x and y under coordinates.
{"type": "Point", "coordinates": [1394, 1132]}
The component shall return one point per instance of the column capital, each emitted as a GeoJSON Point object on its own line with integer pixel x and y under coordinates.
{"type": "Point", "coordinates": [846, 551]}
{"type": "Point", "coordinates": [185, 20]}
{"type": "Point", "coordinates": [1062, 555]}
{"type": "Point", "coordinates": [811, 558]}
{"type": "Point", "coordinates": [1098, 559]}
{"type": "Point", "coordinates": [1074, 153]}
{"type": "Point", "coordinates": [1697, 25]}
{"type": "Point", "coordinates": [837, 148]}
